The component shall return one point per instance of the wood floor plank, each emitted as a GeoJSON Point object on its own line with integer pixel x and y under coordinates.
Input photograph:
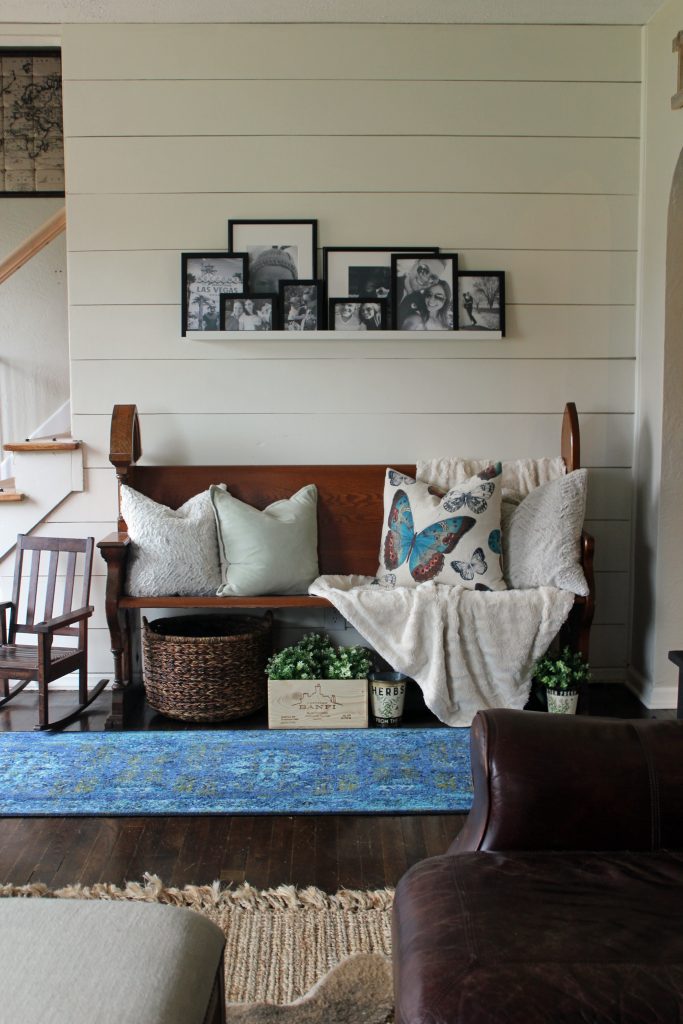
{"type": "Point", "coordinates": [83, 835]}
{"type": "Point", "coordinates": [256, 865]}
{"type": "Point", "coordinates": [59, 841]}
{"type": "Point", "coordinates": [326, 864]}
{"type": "Point", "coordinates": [303, 850]}
{"type": "Point", "coordinates": [123, 850]}
{"type": "Point", "coordinates": [233, 858]}
{"type": "Point", "coordinates": [280, 852]}
{"type": "Point", "coordinates": [393, 849]}
{"type": "Point", "coordinates": [349, 860]}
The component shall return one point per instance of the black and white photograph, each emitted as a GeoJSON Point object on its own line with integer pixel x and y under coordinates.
{"type": "Point", "coordinates": [279, 250]}
{"type": "Point", "coordinates": [363, 270]}
{"type": "Point", "coordinates": [301, 305]}
{"type": "Point", "coordinates": [205, 277]}
{"type": "Point", "coordinates": [354, 314]}
{"type": "Point", "coordinates": [248, 312]}
{"type": "Point", "coordinates": [481, 300]}
{"type": "Point", "coordinates": [423, 292]}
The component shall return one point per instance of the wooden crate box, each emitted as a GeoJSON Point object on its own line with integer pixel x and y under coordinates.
{"type": "Point", "coordinates": [317, 703]}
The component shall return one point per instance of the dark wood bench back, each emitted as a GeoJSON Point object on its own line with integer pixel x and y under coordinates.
{"type": "Point", "coordinates": [350, 501]}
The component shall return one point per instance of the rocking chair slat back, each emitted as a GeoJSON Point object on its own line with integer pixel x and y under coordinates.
{"type": "Point", "coordinates": [69, 583]}
{"type": "Point", "coordinates": [33, 588]}
{"type": "Point", "coordinates": [51, 584]}
{"type": "Point", "coordinates": [33, 614]}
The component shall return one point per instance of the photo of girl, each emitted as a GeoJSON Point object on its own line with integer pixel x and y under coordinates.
{"type": "Point", "coordinates": [423, 292]}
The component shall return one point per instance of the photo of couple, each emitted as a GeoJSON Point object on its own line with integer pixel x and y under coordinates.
{"type": "Point", "coordinates": [423, 292]}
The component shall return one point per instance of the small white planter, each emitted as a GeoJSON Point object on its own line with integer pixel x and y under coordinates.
{"type": "Point", "coordinates": [562, 702]}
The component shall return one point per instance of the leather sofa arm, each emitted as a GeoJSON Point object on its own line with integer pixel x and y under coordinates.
{"type": "Point", "coordinates": [556, 782]}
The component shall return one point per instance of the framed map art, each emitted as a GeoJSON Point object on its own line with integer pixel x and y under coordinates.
{"type": "Point", "coordinates": [31, 133]}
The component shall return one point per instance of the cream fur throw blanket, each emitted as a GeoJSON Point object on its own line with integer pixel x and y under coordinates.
{"type": "Point", "coordinates": [467, 649]}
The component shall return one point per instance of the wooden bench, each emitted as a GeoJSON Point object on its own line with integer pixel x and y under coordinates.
{"type": "Point", "coordinates": [350, 515]}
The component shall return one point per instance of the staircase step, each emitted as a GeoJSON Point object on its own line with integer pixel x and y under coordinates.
{"type": "Point", "coordinates": [43, 444]}
{"type": "Point", "coordinates": [11, 495]}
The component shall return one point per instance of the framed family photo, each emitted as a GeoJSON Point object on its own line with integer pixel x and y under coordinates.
{"type": "Point", "coordinates": [424, 289]}
{"type": "Point", "coordinates": [366, 313]}
{"type": "Point", "coordinates": [248, 312]}
{"type": "Point", "coordinates": [302, 306]}
{"type": "Point", "coordinates": [481, 300]}
{"type": "Point", "coordinates": [363, 270]}
{"type": "Point", "coordinates": [205, 277]}
{"type": "Point", "coordinates": [278, 250]}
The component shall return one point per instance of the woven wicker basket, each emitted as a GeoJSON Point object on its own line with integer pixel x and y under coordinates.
{"type": "Point", "coordinates": [206, 668]}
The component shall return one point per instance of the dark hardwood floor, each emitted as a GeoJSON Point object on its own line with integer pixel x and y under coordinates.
{"type": "Point", "coordinates": [328, 851]}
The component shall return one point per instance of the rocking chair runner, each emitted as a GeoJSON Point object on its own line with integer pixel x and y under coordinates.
{"type": "Point", "coordinates": [44, 662]}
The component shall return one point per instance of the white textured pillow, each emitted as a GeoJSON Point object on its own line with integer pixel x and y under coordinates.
{"type": "Point", "coordinates": [542, 535]}
{"type": "Point", "coordinates": [451, 538]}
{"type": "Point", "coordinates": [172, 551]}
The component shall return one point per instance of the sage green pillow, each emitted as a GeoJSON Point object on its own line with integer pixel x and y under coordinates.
{"type": "Point", "coordinates": [270, 552]}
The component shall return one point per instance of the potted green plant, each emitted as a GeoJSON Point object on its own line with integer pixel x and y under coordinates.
{"type": "Point", "coordinates": [562, 675]}
{"type": "Point", "coordinates": [337, 694]}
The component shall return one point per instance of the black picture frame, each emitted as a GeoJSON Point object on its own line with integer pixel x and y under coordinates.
{"type": "Point", "coordinates": [411, 289]}
{"type": "Point", "coordinates": [296, 244]}
{"type": "Point", "coordinates": [256, 318]}
{"type": "Point", "coordinates": [338, 271]}
{"type": "Point", "coordinates": [484, 287]}
{"type": "Point", "coordinates": [356, 322]}
{"type": "Point", "coordinates": [221, 278]}
{"type": "Point", "coordinates": [306, 318]}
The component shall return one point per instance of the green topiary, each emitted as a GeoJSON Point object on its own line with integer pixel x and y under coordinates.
{"type": "Point", "coordinates": [563, 671]}
{"type": "Point", "coordinates": [315, 657]}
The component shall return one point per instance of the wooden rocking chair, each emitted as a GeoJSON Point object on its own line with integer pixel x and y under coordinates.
{"type": "Point", "coordinates": [42, 661]}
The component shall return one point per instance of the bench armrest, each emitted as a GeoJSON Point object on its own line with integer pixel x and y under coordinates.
{"type": "Point", "coordinates": [113, 540]}
{"type": "Point", "coordinates": [59, 621]}
{"type": "Point", "coordinates": [566, 782]}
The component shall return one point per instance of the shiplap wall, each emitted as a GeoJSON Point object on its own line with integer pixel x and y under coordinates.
{"type": "Point", "coordinates": [515, 146]}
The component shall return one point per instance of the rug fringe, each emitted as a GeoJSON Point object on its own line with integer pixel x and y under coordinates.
{"type": "Point", "coordinates": [216, 896]}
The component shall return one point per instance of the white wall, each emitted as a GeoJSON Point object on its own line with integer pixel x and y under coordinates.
{"type": "Point", "coordinates": [34, 348]}
{"type": "Point", "coordinates": [658, 577]}
{"type": "Point", "coordinates": [515, 146]}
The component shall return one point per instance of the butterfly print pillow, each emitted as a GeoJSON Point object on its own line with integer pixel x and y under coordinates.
{"type": "Point", "coordinates": [451, 538]}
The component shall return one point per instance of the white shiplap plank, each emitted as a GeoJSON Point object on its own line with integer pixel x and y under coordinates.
{"type": "Point", "coordinates": [612, 598]}
{"type": "Point", "coordinates": [610, 494]}
{"type": "Point", "coordinates": [197, 108]}
{"type": "Point", "coordinates": [327, 164]}
{"type": "Point", "coordinates": [608, 647]}
{"type": "Point", "coordinates": [447, 220]}
{"type": "Point", "coordinates": [351, 386]}
{"type": "Point", "coordinates": [228, 439]}
{"type": "Point", "coordinates": [612, 544]}
{"type": "Point", "coordinates": [533, 277]}
{"type": "Point", "coordinates": [478, 52]}
{"type": "Point", "coordinates": [94, 503]}
{"type": "Point", "coordinates": [544, 332]}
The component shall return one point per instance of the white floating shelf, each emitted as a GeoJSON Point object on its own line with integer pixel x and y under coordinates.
{"type": "Point", "coordinates": [344, 335]}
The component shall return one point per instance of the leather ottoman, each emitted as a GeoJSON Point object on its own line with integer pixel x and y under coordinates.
{"type": "Point", "coordinates": [540, 938]}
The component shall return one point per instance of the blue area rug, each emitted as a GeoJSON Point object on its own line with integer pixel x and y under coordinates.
{"type": "Point", "coordinates": [374, 771]}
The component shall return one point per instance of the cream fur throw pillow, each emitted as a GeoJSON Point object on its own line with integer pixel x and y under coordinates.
{"type": "Point", "coordinates": [173, 551]}
{"type": "Point", "coordinates": [542, 535]}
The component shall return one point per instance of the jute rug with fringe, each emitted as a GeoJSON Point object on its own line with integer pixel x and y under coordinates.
{"type": "Point", "coordinates": [292, 956]}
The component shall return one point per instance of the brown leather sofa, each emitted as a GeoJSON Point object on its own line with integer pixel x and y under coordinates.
{"type": "Point", "coordinates": [561, 900]}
